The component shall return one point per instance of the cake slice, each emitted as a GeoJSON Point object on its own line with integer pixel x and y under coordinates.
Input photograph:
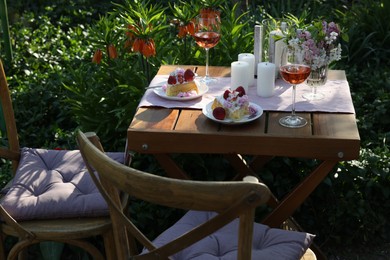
{"type": "Point", "coordinates": [181, 81]}
{"type": "Point", "coordinates": [235, 103]}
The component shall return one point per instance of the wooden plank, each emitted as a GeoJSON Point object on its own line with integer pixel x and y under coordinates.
{"type": "Point", "coordinates": [275, 129]}
{"type": "Point", "coordinates": [254, 128]}
{"type": "Point", "coordinates": [224, 143]}
{"type": "Point", "coordinates": [155, 118]}
{"type": "Point", "coordinates": [335, 125]}
{"type": "Point", "coordinates": [216, 71]}
{"type": "Point", "coordinates": [194, 121]}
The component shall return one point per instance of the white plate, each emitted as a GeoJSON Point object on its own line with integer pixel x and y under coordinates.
{"type": "Point", "coordinates": [203, 88]}
{"type": "Point", "coordinates": [208, 112]}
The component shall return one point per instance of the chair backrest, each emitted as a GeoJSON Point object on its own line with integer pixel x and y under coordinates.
{"type": "Point", "coordinates": [230, 199]}
{"type": "Point", "coordinates": [9, 133]}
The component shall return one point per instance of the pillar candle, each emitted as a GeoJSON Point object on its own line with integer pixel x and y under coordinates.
{"type": "Point", "coordinates": [279, 46]}
{"type": "Point", "coordinates": [265, 79]}
{"type": "Point", "coordinates": [258, 45]}
{"type": "Point", "coordinates": [239, 74]}
{"type": "Point", "coordinates": [250, 58]}
{"type": "Point", "coordinates": [276, 45]}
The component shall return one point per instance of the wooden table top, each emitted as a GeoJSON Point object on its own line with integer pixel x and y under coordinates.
{"type": "Point", "coordinates": [327, 136]}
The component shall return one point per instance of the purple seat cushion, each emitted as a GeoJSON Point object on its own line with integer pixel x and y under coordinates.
{"type": "Point", "coordinates": [268, 243]}
{"type": "Point", "coordinates": [54, 184]}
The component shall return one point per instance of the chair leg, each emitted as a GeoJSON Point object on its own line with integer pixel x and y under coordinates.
{"type": "Point", "coordinates": [18, 250]}
{"type": "Point", "coordinates": [2, 249]}
{"type": "Point", "coordinates": [109, 245]}
{"type": "Point", "coordinates": [91, 249]}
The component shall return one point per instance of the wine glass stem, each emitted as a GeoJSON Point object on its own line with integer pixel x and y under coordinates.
{"type": "Point", "coordinates": [293, 100]}
{"type": "Point", "coordinates": [207, 63]}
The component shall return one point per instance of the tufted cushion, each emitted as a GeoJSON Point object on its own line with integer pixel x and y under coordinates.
{"type": "Point", "coordinates": [268, 243]}
{"type": "Point", "coordinates": [54, 184]}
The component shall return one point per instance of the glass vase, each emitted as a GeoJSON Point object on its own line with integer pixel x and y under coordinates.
{"type": "Point", "coordinates": [317, 77]}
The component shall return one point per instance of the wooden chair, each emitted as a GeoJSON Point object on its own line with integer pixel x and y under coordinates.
{"type": "Point", "coordinates": [223, 212]}
{"type": "Point", "coordinates": [71, 230]}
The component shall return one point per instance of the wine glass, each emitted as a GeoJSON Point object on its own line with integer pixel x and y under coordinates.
{"type": "Point", "coordinates": [207, 35]}
{"type": "Point", "coordinates": [294, 69]}
{"type": "Point", "coordinates": [317, 78]}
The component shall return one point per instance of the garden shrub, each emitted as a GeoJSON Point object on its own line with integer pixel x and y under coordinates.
{"type": "Point", "coordinates": [56, 89]}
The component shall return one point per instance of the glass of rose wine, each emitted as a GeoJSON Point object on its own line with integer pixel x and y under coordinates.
{"type": "Point", "coordinates": [207, 35]}
{"type": "Point", "coordinates": [294, 69]}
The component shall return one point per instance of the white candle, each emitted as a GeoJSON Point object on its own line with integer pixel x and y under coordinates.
{"type": "Point", "coordinates": [275, 48]}
{"type": "Point", "coordinates": [239, 74]}
{"type": "Point", "coordinates": [279, 45]}
{"type": "Point", "coordinates": [271, 45]}
{"type": "Point", "coordinates": [258, 45]}
{"type": "Point", "coordinates": [250, 58]}
{"type": "Point", "coordinates": [265, 79]}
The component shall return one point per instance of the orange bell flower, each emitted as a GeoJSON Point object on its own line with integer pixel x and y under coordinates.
{"type": "Point", "coordinates": [128, 45]}
{"type": "Point", "coordinates": [97, 56]}
{"type": "Point", "coordinates": [132, 30]}
{"type": "Point", "coordinates": [112, 53]}
{"type": "Point", "coordinates": [186, 29]}
{"type": "Point", "coordinates": [191, 28]}
{"type": "Point", "coordinates": [210, 12]}
{"type": "Point", "coordinates": [149, 48]}
{"type": "Point", "coordinates": [138, 45]}
{"type": "Point", "coordinates": [182, 31]}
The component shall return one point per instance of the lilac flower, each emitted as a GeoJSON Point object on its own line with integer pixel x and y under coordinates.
{"type": "Point", "coordinates": [321, 38]}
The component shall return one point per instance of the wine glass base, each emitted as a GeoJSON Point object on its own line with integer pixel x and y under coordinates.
{"type": "Point", "coordinates": [312, 96]}
{"type": "Point", "coordinates": [208, 80]}
{"type": "Point", "coordinates": [293, 121]}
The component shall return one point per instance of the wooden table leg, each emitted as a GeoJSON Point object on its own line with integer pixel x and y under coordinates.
{"type": "Point", "coordinates": [171, 167]}
{"type": "Point", "coordinates": [243, 169]}
{"type": "Point", "coordinates": [240, 165]}
{"type": "Point", "coordinates": [296, 197]}
{"type": "Point", "coordinates": [258, 162]}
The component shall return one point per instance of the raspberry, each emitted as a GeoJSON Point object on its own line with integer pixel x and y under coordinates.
{"type": "Point", "coordinates": [172, 80]}
{"type": "Point", "coordinates": [189, 75]}
{"type": "Point", "coordinates": [226, 94]}
{"type": "Point", "coordinates": [219, 113]}
{"type": "Point", "coordinates": [241, 91]}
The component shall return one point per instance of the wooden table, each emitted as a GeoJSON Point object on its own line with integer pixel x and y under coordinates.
{"type": "Point", "coordinates": [328, 137]}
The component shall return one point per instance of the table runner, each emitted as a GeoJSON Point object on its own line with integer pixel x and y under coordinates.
{"type": "Point", "coordinates": [337, 97]}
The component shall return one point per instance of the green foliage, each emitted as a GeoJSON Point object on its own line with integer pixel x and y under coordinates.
{"type": "Point", "coordinates": [148, 18]}
{"type": "Point", "coordinates": [42, 51]}
{"type": "Point", "coordinates": [104, 97]}
{"type": "Point", "coordinates": [237, 37]}
{"type": "Point", "coordinates": [183, 11]}
{"type": "Point", "coordinates": [353, 201]}
{"type": "Point", "coordinates": [371, 38]}
{"type": "Point", "coordinates": [280, 8]}
{"type": "Point", "coordinates": [6, 40]}
{"type": "Point", "coordinates": [57, 89]}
